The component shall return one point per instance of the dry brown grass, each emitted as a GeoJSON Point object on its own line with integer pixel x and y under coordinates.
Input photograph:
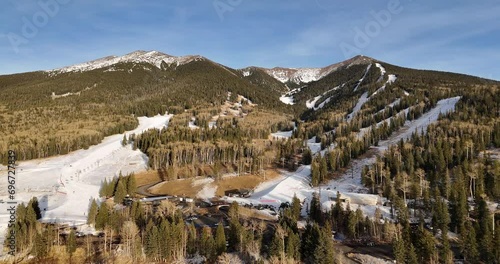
{"type": "Point", "coordinates": [247, 213]}
{"type": "Point", "coordinates": [147, 177]}
{"type": "Point", "coordinates": [184, 187]}
{"type": "Point", "coordinates": [260, 119]}
{"type": "Point", "coordinates": [248, 181]}
{"type": "Point", "coordinates": [177, 187]}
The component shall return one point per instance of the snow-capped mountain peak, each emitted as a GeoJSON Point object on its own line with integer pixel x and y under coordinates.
{"type": "Point", "coordinates": [306, 75]}
{"type": "Point", "coordinates": [155, 58]}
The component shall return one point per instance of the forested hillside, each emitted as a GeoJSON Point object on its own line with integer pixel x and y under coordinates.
{"type": "Point", "coordinates": [46, 114]}
{"type": "Point", "coordinates": [423, 144]}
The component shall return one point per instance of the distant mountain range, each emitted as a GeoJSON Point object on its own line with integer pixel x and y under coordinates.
{"type": "Point", "coordinates": [159, 60]}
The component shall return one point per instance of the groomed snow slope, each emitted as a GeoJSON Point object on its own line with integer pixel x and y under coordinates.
{"type": "Point", "coordinates": [421, 124]}
{"type": "Point", "coordinates": [65, 184]}
{"type": "Point", "coordinates": [349, 184]}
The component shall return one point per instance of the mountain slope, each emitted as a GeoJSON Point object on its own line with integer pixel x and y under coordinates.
{"type": "Point", "coordinates": [76, 106]}
{"type": "Point", "coordinates": [151, 57]}
{"type": "Point", "coordinates": [298, 76]}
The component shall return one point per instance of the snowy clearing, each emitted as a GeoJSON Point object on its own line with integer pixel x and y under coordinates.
{"type": "Point", "coordinates": [392, 78]}
{"type": "Point", "coordinates": [363, 78]}
{"type": "Point", "coordinates": [282, 134]}
{"type": "Point", "coordinates": [382, 71]}
{"type": "Point", "coordinates": [421, 124]}
{"type": "Point", "coordinates": [361, 101]}
{"type": "Point", "coordinates": [311, 104]}
{"type": "Point", "coordinates": [287, 100]}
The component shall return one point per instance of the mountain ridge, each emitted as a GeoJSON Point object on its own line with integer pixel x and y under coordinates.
{"type": "Point", "coordinates": [290, 76]}
{"type": "Point", "coordinates": [153, 57]}
{"type": "Point", "coordinates": [156, 58]}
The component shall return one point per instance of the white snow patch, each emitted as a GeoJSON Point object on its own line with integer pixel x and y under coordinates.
{"type": "Point", "coordinates": [392, 78]}
{"type": "Point", "coordinates": [391, 105]}
{"type": "Point", "coordinates": [282, 134]}
{"type": "Point", "coordinates": [363, 258]}
{"type": "Point", "coordinates": [382, 71]}
{"type": "Point", "coordinates": [287, 100]}
{"type": "Point", "coordinates": [322, 104]}
{"type": "Point", "coordinates": [202, 181]}
{"type": "Point", "coordinates": [192, 125]}
{"type": "Point", "coordinates": [311, 103]}
{"type": "Point", "coordinates": [247, 73]}
{"type": "Point", "coordinates": [301, 75]}
{"type": "Point", "coordinates": [363, 78]}
{"type": "Point", "coordinates": [361, 101]}
{"type": "Point", "coordinates": [207, 192]}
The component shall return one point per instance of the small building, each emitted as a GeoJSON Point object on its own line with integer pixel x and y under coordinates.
{"type": "Point", "coordinates": [127, 201]}
{"type": "Point", "coordinates": [245, 193]}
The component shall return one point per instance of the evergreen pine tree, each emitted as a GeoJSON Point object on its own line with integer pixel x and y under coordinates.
{"type": "Point", "coordinates": [310, 241]}
{"type": "Point", "coordinates": [111, 187]}
{"type": "Point", "coordinates": [30, 215]}
{"type": "Point", "coordinates": [151, 247]}
{"type": "Point", "coordinates": [306, 156]}
{"type": "Point", "coordinates": [207, 244]}
{"type": "Point", "coordinates": [233, 211]}
{"type": "Point", "coordinates": [193, 244]}
{"type": "Point", "coordinates": [220, 239]}
{"type": "Point", "coordinates": [102, 217]}
{"type": "Point", "coordinates": [40, 247]}
{"type": "Point", "coordinates": [323, 253]}
{"type": "Point", "coordinates": [469, 244]}
{"type": "Point", "coordinates": [496, 242]}
{"type": "Point", "coordinates": [131, 185]}
{"type": "Point", "coordinates": [295, 208]}
{"type": "Point", "coordinates": [71, 244]}
{"type": "Point", "coordinates": [411, 255]}
{"type": "Point", "coordinates": [292, 247]}
{"type": "Point", "coordinates": [235, 234]}
{"type": "Point", "coordinates": [315, 213]}
{"type": "Point", "coordinates": [124, 140]}
{"type": "Point", "coordinates": [104, 187]}
{"type": "Point", "coordinates": [398, 246]}
{"type": "Point", "coordinates": [323, 169]}
{"type": "Point", "coordinates": [121, 191]}
{"type": "Point", "coordinates": [315, 174]}
{"type": "Point", "coordinates": [351, 224]}
{"type": "Point", "coordinates": [34, 204]}
{"type": "Point", "coordinates": [92, 213]}
{"type": "Point", "coordinates": [276, 248]}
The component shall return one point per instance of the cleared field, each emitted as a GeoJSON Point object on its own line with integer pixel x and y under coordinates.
{"type": "Point", "coordinates": [182, 187]}
{"type": "Point", "coordinates": [187, 187]}
{"type": "Point", "coordinates": [247, 213]}
{"type": "Point", "coordinates": [147, 177]}
{"type": "Point", "coordinates": [248, 181]}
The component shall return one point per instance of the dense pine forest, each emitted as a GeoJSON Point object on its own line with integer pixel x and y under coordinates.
{"type": "Point", "coordinates": [442, 183]}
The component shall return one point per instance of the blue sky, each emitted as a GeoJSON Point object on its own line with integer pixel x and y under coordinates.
{"type": "Point", "coordinates": [459, 36]}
